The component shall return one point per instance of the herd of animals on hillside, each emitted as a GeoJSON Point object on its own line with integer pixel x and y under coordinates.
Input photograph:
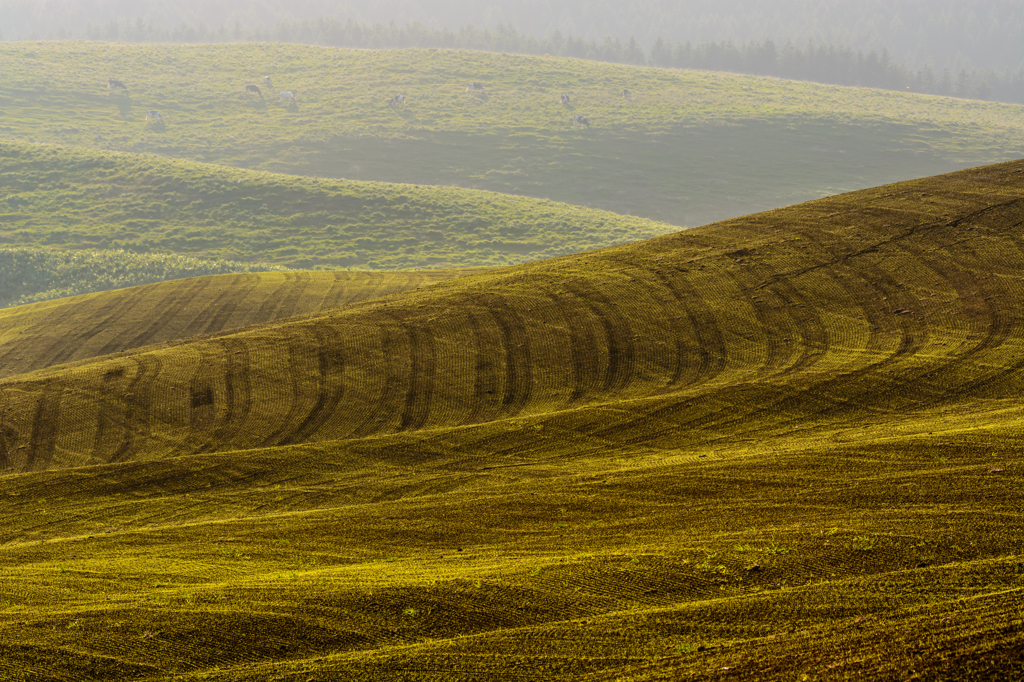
{"type": "Point", "coordinates": [153, 116]}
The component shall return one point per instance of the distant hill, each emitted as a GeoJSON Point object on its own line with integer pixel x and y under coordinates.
{"type": "Point", "coordinates": [781, 445]}
{"type": "Point", "coordinates": [985, 34]}
{"type": "Point", "coordinates": [685, 147]}
{"type": "Point", "coordinates": [75, 199]}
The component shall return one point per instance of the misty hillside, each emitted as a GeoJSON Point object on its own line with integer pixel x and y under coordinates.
{"type": "Point", "coordinates": [942, 33]}
{"type": "Point", "coordinates": [684, 147]}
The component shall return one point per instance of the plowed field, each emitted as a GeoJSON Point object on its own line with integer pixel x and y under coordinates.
{"type": "Point", "coordinates": [82, 327]}
{"type": "Point", "coordinates": [779, 446]}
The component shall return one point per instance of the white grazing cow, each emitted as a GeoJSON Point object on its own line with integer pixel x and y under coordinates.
{"type": "Point", "coordinates": [287, 97]}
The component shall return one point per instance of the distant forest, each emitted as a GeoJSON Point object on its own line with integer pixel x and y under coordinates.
{"type": "Point", "coordinates": [944, 47]}
{"type": "Point", "coordinates": [954, 34]}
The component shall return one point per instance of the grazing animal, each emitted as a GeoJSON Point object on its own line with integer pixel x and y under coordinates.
{"type": "Point", "coordinates": [397, 100]}
{"type": "Point", "coordinates": [113, 84]}
{"type": "Point", "coordinates": [266, 81]}
{"type": "Point", "coordinates": [252, 89]}
{"type": "Point", "coordinates": [152, 115]}
{"type": "Point", "coordinates": [580, 120]}
{"type": "Point", "coordinates": [626, 94]}
{"type": "Point", "coordinates": [287, 97]}
{"type": "Point", "coordinates": [565, 100]}
{"type": "Point", "coordinates": [475, 87]}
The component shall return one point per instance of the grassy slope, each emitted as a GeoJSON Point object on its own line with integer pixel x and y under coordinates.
{"type": "Point", "coordinates": [689, 148]}
{"type": "Point", "coordinates": [781, 444]}
{"type": "Point", "coordinates": [33, 275]}
{"type": "Point", "coordinates": [82, 327]}
{"type": "Point", "coordinates": [72, 198]}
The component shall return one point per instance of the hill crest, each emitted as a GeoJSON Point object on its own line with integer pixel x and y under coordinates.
{"type": "Point", "coordinates": [685, 148]}
{"type": "Point", "coordinates": [76, 198]}
{"type": "Point", "coordinates": [832, 305]}
{"type": "Point", "coordinates": [783, 442]}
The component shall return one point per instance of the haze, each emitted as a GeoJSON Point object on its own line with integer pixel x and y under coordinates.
{"type": "Point", "coordinates": [941, 33]}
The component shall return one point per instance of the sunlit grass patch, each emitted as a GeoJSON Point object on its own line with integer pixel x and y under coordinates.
{"type": "Point", "coordinates": [73, 199]}
{"type": "Point", "coordinates": [691, 147]}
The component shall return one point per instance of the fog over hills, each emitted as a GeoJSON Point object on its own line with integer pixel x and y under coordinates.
{"type": "Point", "coordinates": [988, 34]}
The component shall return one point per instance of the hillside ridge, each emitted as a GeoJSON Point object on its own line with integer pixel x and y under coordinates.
{"type": "Point", "coordinates": [786, 304]}
{"type": "Point", "coordinates": [686, 147]}
{"type": "Point", "coordinates": [83, 327]}
{"type": "Point", "coordinates": [782, 444]}
{"type": "Point", "coordinates": [59, 196]}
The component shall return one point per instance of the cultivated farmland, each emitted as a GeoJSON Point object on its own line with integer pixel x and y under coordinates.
{"type": "Point", "coordinates": [82, 327]}
{"type": "Point", "coordinates": [685, 148]}
{"type": "Point", "coordinates": [785, 444]}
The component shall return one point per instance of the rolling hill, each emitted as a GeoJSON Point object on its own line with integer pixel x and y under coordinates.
{"type": "Point", "coordinates": [69, 198]}
{"type": "Point", "coordinates": [686, 147]}
{"type": "Point", "coordinates": [784, 444]}
{"type": "Point", "coordinates": [40, 274]}
{"type": "Point", "coordinates": [82, 327]}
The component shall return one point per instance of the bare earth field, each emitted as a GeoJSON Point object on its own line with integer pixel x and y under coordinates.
{"type": "Point", "coordinates": [780, 446]}
{"type": "Point", "coordinates": [83, 327]}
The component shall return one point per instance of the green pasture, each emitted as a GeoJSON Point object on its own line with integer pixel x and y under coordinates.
{"type": "Point", "coordinates": [685, 147]}
{"type": "Point", "coordinates": [784, 446]}
{"type": "Point", "coordinates": [70, 198]}
{"type": "Point", "coordinates": [31, 275]}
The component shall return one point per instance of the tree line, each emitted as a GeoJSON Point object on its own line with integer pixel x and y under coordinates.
{"type": "Point", "coordinates": [953, 34]}
{"type": "Point", "coordinates": [821, 63]}
{"type": "Point", "coordinates": [840, 65]}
